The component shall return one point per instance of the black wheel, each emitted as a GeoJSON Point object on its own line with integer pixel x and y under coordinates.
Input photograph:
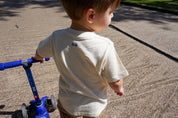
{"type": "Point", "coordinates": [24, 111]}
{"type": "Point", "coordinates": [54, 102]}
{"type": "Point", "coordinates": [51, 104]}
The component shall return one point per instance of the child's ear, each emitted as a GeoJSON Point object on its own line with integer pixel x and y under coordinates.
{"type": "Point", "coordinates": [90, 15]}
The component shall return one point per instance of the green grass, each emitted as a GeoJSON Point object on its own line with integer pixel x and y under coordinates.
{"type": "Point", "coordinates": [166, 4]}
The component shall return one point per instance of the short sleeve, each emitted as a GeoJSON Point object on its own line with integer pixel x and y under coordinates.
{"type": "Point", "coordinates": [114, 70]}
{"type": "Point", "coordinates": [45, 47]}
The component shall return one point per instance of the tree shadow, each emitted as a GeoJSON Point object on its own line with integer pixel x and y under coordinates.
{"type": "Point", "coordinates": [46, 3]}
{"type": "Point", "coordinates": [125, 13]}
{"type": "Point", "coordinates": [9, 7]}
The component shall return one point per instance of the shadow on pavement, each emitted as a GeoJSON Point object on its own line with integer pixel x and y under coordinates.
{"type": "Point", "coordinates": [125, 13]}
{"type": "Point", "coordinates": [17, 114]}
{"type": "Point", "coordinates": [14, 114]}
{"type": "Point", "coordinates": [8, 7]}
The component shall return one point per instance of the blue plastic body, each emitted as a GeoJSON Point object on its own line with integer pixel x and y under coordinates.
{"type": "Point", "coordinates": [41, 111]}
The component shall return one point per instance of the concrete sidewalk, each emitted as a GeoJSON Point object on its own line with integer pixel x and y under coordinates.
{"type": "Point", "coordinates": [150, 90]}
{"type": "Point", "coordinates": [153, 27]}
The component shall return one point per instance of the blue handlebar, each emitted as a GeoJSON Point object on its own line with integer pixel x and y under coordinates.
{"type": "Point", "coordinates": [19, 63]}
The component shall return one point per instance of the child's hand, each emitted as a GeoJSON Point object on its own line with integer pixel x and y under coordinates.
{"type": "Point", "coordinates": [117, 87]}
{"type": "Point", "coordinates": [120, 92]}
{"type": "Point", "coordinates": [39, 58]}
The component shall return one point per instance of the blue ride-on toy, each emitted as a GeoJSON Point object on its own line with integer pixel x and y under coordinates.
{"type": "Point", "coordinates": [38, 108]}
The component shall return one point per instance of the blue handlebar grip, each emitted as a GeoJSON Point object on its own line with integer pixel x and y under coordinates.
{"type": "Point", "coordinates": [1, 66]}
{"type": "Point", "coordinates": [32, 60]}
{"type": "Point", "coordinates": [47, 59]}
{"type": "Point", "coordinates": [10, 64]}
{"type": "Point", "coordinates": [18, 63]}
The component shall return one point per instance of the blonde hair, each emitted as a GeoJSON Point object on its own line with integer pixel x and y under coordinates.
{"type": "Point", "coordinates": [76, 8]}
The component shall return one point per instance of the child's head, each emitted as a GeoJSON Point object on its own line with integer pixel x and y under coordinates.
{"type": "Point", "coordinates": [76, 8]}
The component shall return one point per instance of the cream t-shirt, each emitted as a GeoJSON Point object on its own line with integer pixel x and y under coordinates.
{"type": "Point", "coordinates": [86, 62]}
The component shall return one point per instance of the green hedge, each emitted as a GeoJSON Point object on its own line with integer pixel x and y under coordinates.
{"type": "Point", "coordinates": [166, 4]}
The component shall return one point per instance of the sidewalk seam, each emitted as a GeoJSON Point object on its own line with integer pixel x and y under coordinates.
{"type": "Point", "coordinates": [146, 44]}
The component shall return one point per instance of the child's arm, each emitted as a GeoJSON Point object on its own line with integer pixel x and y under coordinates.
{"type": "Point", "coordinates": [38, 57]}
{"type": "Point", "coordinates": [117, 87]}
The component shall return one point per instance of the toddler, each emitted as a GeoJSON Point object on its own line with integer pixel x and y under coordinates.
{"type": "Point", "coordinates": [87, 62]}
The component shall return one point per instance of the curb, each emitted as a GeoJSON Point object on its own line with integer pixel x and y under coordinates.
{"type": "Point", "coordinates": [174, 12]}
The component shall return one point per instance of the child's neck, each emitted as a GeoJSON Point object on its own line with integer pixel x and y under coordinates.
{"type": "Point", "coordinates": [78, 25]}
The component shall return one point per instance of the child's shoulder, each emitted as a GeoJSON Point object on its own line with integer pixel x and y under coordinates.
{"type": "Point", "coordinates": [106, 40]}
{"type": "Point", "coordinates": [57, 32]}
